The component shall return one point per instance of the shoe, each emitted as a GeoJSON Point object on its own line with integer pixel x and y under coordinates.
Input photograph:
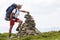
{"type": "Point", "coordinates": [11, 37]}
{"type": "Point", "coordinates": [17, 29]}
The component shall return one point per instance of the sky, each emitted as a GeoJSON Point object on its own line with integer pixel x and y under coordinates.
{"type": "Point", "coordinates": [46, 14]}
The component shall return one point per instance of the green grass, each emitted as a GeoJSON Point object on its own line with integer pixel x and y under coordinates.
{"type": "Point", "coordinates": [53, 35]}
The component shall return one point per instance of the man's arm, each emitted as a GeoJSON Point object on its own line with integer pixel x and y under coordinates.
{"type": "Point", "coordinates": [11, 15]}
{"type": "Point", "coordinates": [24, 11]}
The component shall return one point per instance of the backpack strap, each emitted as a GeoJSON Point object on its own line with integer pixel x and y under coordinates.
{"type": "Point", "coordinates": [15, 11]}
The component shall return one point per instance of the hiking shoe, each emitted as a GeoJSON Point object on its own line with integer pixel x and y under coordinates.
{"type": "Point", "coordinates": [11, 37]}
{"type": "Point", "coordinates": [17, 29]}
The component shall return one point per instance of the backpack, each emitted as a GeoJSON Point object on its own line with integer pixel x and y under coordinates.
{"type": "Point", "coordinates": [9, 10]}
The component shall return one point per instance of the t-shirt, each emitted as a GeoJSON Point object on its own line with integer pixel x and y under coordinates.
{"type": "Point", "coordinates": [16, 12]}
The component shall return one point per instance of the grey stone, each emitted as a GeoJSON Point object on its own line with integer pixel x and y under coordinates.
{"type": "Point", "coordinates": [28, 27]}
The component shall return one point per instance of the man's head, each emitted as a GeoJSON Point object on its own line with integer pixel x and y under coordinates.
{"type": "Point", "coordinates": [19, 6]}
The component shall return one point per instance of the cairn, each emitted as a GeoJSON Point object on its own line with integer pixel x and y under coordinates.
{"type": "Point", "coordinates": [28, 27]}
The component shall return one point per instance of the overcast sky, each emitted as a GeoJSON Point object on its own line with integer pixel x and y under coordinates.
{"type": "Point", "coordinates": [46, 14]}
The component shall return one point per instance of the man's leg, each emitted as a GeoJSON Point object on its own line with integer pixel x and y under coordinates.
{"type": "Point", "coordinates": [11, 26]}
{"type": "Point", "coordinates": [19, 25]}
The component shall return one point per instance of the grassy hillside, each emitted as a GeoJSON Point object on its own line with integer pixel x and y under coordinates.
{"type": "Point", "coordinates": [53, 35]}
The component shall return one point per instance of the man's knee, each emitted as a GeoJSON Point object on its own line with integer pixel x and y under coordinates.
{"type": "Point", "coordinates": [20, 21]}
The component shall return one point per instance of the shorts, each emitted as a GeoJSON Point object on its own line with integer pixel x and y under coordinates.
{"type": "Point", "coordinates": [12, 22]}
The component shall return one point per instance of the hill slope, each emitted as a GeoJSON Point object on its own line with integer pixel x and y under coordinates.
{"type": "Point", "coordinates": [53, 35]}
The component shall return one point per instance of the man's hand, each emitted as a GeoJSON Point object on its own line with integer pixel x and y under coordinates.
{"type": "Point", "coordinates": [27, 12]}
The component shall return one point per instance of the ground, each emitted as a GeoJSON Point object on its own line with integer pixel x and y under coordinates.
{"type": "Point", "coordinates": [53, 35]}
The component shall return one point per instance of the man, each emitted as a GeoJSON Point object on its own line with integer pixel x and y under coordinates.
{"type": "Point", "coordinates": [13, 18]}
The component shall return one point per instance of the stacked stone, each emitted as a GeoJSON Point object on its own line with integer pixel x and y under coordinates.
{"type": "Point", "coordinates": [28, 27]}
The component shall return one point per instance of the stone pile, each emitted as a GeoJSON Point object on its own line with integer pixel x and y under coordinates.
{"type": "Point", "coordinates": [28, 27]}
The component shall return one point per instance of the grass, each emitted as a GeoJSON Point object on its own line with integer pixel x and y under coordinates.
{"type": "Point", "coordinates": [53, 35]}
